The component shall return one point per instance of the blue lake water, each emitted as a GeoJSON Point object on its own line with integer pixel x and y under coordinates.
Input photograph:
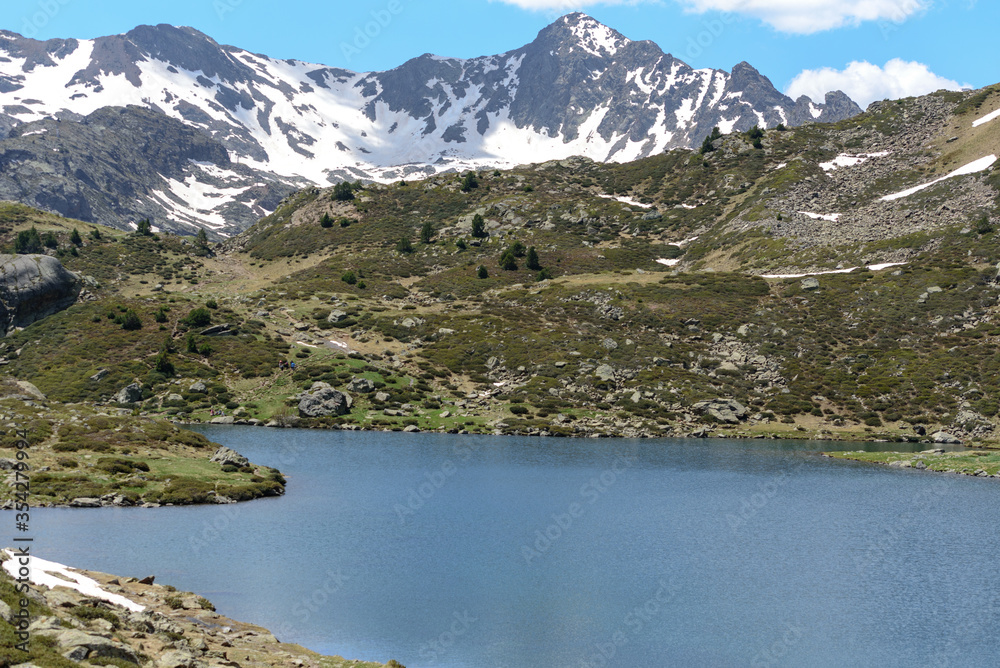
{"type": "Point", "coordinates": [440, 550]}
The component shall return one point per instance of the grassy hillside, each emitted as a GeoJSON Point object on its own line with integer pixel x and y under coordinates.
{"type": "Point", "coordinates": [574, 298]}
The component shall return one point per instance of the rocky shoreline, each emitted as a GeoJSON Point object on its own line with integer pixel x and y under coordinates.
{"type": "Point", "coordinates": [79, 615]}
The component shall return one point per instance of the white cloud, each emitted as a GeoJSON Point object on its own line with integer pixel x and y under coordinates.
{"type": "Point", "coordinates": [809, 16]}
{"type": "Point", "coordinates": [865, 83]}
{"type": "Point", "coordinates": [793, 16]}
{"type": "Point", "coordinates": [565, 5]}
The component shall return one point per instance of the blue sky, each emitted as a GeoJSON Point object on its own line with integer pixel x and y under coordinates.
{"type": "Point", "coordinates": [869, 48]}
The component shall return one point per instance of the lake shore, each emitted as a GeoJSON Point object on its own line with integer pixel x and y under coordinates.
{"type": "Point", "coordinates": [84, 615]}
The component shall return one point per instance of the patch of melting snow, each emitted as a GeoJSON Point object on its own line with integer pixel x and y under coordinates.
{"type": "Point", "coordinates": [339, 345]}
{"type": "Point", "coordinates": [980, 165]}
{"type": "Point", "coordinates": [871, 267]}
{"type": "Point", "coordinates": [986, 119]}
{"type": "Point", "coordinates": [668, 263]}
{"type": "Point", "coordinates": [50, 574]}
{"type": "Point", "coordinates": [628, 200]}
{"type": "Point", "coordinates": [682, 244]}
{"type": "Point", "coordinates": [688, 206]}
{"type": "Point", "coordinates": [848, 160]}
{"type": "Point", "coordinates": [781, 166]}
{"type": "Point", "coordinates": [307, 345]}
{"type": "Point", "coordinates": [832, 217]}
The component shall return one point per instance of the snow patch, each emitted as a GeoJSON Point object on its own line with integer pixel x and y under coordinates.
{"type": "Point", "coordinates": [50, 574]}
{"type": "Point", "coordinates": [627, 200]}
{"type": "Point", "coordinates": [668, 263]}
{"type": "Point", "coordinates": [832, 217]}
{"type": "Point", "coordinates": [848, 160]}
{"type": "Point", "coordinates": [986, 119]}
{"type": "Point", "coordinates": [974, 167]}
{"type": "Point", "coordinates": [871, 267]}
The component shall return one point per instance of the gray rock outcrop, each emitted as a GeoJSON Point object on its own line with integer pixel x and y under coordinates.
{"type": "Point", "coordinates": [33, 287]}
{"type": "Point", "coordinates": [323, 401]}
{"type": "Point", "coordinates": [361, 385]}
{"type": "Point", "coordinates": [228, 457]}
{"type": "Point", "coordinates": [729, 411]}
{"type": "Point", "coordinates": [129, 395]}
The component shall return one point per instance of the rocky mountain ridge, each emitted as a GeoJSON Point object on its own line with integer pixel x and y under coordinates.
{"type": "Point", "coordinates": [580, 88]}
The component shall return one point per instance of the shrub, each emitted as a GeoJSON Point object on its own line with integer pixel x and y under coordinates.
{"type": "Point", "coordinates": [404, 245]}
{"type": "Point", "coordinates": [478, 227]}
{"type": "Point", "coordinates": [532, 262]}
{"type": "Point", "coordinates": [469, 182]}
{"type": "Point", "coordinates": [427, 233]}
{"type": "Point", "coordinates": [199, 317]}
{"type": "Point", "coordinates": [28, 241]}
{"type": "Point", "coordinates": [349, 278]}
{"type": "Point", "coordinates": [49, 240]}
{"type": "Point", "coordinates": [212, 304]}
{"type": "Point", "coordinates": [74, 237]}
{"type": "Point", "coordinates": [482, 272]}
{"type": "Point", "coordinates": [519, 410]}
{"type": "Point", "coordinates": [343, 192]}
{"type": "Point", "coordinates": [130, 321]}
{"type": "Point", "coordinates": [508, 262]}
{"type": "Point", "coordinates": [326, 222]}
{"type": "Point", "coordinates": [163, 364]}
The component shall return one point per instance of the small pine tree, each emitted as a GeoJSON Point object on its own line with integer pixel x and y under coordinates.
{"type": "Point", "coordinates": [95, 234]}
{"type": "Point", "coordinates": [518, 249]}
{"type": "Point", "coordinates": [780, 127]}
{"type": "Point", "coordinates": [28, 242]}
{"type": "Point", "coordinates": [343, 192]}
{"type": "Point", "coordinates": [326, 222]}
{"type": "Point", "coordinates": [544, 275]}
{"type": "Point", "coordinates": [461, 245]}
{"type": "Point", "coordinates": [349, 277]}
{"type": "Point", "coordinates": [404, 245]}
{"type": "Point", "coordinates": [192, 344]}
{"type": "Point", "coordinates": [160, 316]}
{"type": "Point", "coordinates": [532, 262]}
{"type": "Point", "coordinates": [131, 321]}
{"type": "Point", "coordinates": [478, 226]}
{"type": "Point", "coordinates": [482, 272]}
{"type": "Point", "coordinates": [470, 182]}
{"type": "Point", "coordinates": [199, 317]}
{"type": "Point", "coordinates": [508, 262]}
{"type": "Point", "coordinates": [426, 233]}
{"type": "Point", "coordinates": [75, 238]}
{"type": "Point", "coordinates": [202, 239]}
{"type": "Point", "coordinates": [49, 240]}
{"type": "Point", "coordinates": [205, 350]}
{"type": "Point", "coordinates": [707, 146]}
{"type": "Point", "coordinates": [163, 364]}
{"type": "Point", "coordinates": [144, 228]}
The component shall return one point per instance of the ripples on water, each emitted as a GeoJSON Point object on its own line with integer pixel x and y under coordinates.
{"type": "Point", "coordinates": [477, 551]}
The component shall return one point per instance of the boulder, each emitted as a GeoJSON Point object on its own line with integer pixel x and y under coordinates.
{"type": "Point", "coordinates": [19, 389]}
{"type": "Point", "coordinates": [605, 372]}
{"type": "Point", "coordinates": [217, 330]}
{"type": "Point", "coordinates": [945, 438]}
{"type": "Point", "coordinates": [382, 397]}
{"type": "Point", "coordinates": [198, 387]}
{"type": "Point", "coordinates": [130, 394]}
{"type": "Point", "coordinates": [323, 401]}
{"type": "Point", "coordinates": [176, 658]}
{"type": "Point", "coordinates": [228, 457]}
{"type": "Point", "coordinates": [810, 283]}
{"type": "Point", "coordinates": [223, 419]}
{"type": "Point", "coordinates": [33, 287]}
{"type": "Point", "coordinates": [337, 316]}
{"type": "Point", "coordinates": [85, 502]}
{"type": "Point", "coordinates": [100, 375]}
{"type": "Point", "coordinates": [77, 646]}
{"type": "Point", "coordinates": [361, 385]}
{"type": "Point", "coordinates": [729, 411]}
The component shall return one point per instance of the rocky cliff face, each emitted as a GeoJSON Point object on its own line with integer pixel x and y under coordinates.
{"type": "Point", "coordinates": [33, 287]}
{"type": "Point", "coordinates": [119, 165]}
{"type": "Point", "coordinates": [580, 88]}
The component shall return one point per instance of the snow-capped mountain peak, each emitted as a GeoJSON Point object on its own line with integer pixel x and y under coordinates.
{"type": "Point", "coordinates": [580, 88]}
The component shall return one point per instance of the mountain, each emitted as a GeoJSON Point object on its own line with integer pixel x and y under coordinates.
{"type": "Point", "coordinates": [827, 281]}
{"type": "Point", "coordinates": [580, 88]}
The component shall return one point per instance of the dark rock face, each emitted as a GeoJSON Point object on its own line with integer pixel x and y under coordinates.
{"type": "Point", "coordinates": [33, 287]}
{"type": "Point", "coordinates": [113, 167]}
